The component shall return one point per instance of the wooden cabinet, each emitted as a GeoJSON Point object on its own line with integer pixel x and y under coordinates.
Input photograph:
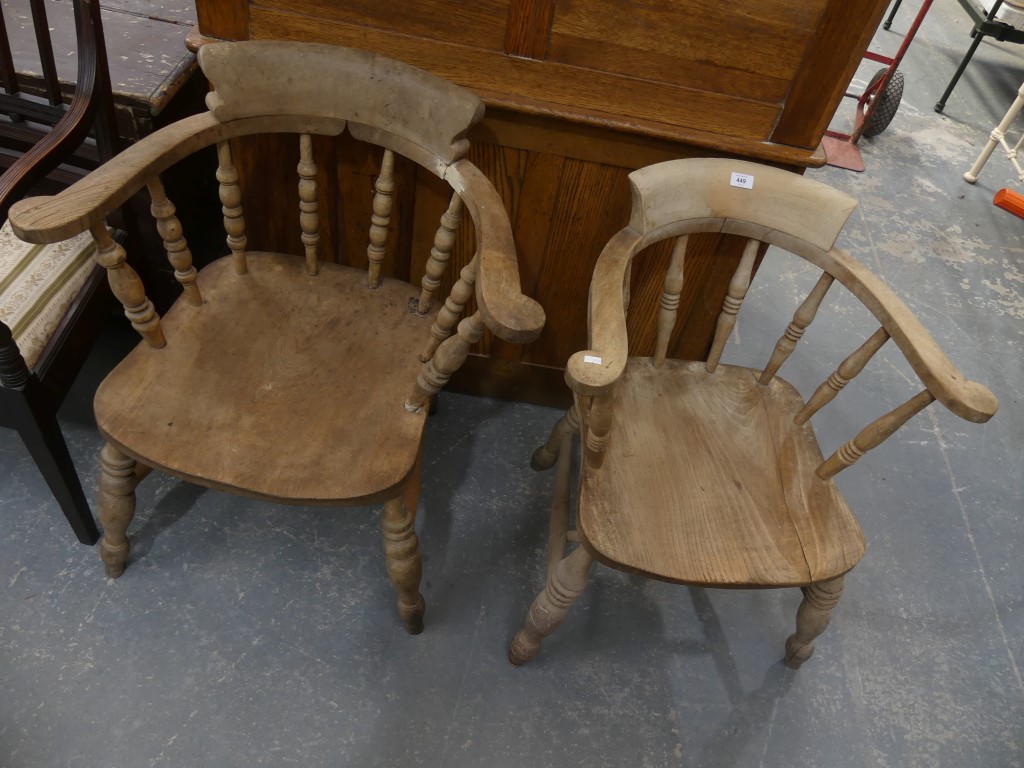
{"type": "Point", "coordinates": [579, 93]}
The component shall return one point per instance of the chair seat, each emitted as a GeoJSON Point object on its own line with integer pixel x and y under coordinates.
{"type": "Point", "coordinates": [705, 481]}
{"type": "Point", "coordinates": [281, 385]}
{"type": "Point", "coordinates": [38, 283]}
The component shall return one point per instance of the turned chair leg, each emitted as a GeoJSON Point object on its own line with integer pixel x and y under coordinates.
{"type": "Point", "coordinates": [116, 507]}
{"type": "Point", "coordinates": [811, 619]}
{"type": "Point", "coordinates": [401, 549]}
{"type": "Point", "coordinates": [546, 456]}
{"type": "Point", "coordinates": [564, 586]}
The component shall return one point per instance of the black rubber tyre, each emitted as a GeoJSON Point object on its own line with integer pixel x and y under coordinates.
{"type": "Point", "coordinates": [887, 102]}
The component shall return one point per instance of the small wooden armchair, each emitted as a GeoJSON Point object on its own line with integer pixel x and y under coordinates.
{"type": "Point", "coordinates": [53, 300]}
{"type": "Point", "coordinates": [710, 474]}
{"type": "Point", "coordinates": [286, 378]}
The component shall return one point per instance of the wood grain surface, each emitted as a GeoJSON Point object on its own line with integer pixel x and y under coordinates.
{"type": "Point", "coordinates": [281, 386]}
{"type": "Point", "coordinates": [743, 507]}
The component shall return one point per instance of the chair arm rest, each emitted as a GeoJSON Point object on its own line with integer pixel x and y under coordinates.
{"type": "Point", "coordinates": [594, 371]}
{"type": "Point", "coordinates": [87, 203]}
{"type": "Point", "coordinates": [506, 310]}
{"type": "Point", "coordinates": [967, 399]}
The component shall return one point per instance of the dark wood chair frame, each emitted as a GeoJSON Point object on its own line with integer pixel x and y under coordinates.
{"type": "Point", "coordinates": [29, 399]}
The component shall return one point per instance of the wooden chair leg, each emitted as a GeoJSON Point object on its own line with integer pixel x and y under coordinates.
{"type": "Point", "coordinates": [42, 437]}
{"type": "Point", "coordinates": [811, 619]}
{"type": "Point", "coordinates": [564, 586]}
{"type": "Point", "coordinates": [546, 456]}
{"type": "Point", "coordinates": [116, 507]}
{"type": "Point", "coordinates": [401, 549]}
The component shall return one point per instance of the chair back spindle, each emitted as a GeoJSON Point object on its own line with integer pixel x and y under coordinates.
{"type": "Point", "coordinates": [440, 253]}
{"type": "Point", "coordinates": [802, 318]}
{"type": "Point", "coordinates": [873, 435]}
{"type": "Point", "coordinates": [842, 376]}
{"type": "Point", "coordinates": [170, 230]}
{"type": "Point", "coordinates": [381, 219]}
{"type": "Point", "coordinates": [309, 216]}
{"type": "Point", "coordinates": [738, 287]}
{"type": "Point", "coordinates": [670, 300]}
{"type": "Point", "coordinates": [231, 200]}
{"type": "Point", "coordinates": [452, 309]}
{"type": "Point", "coordinates": [127, 287]}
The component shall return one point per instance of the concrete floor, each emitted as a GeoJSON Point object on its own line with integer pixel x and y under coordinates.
{"type": "Point", "coordinates": [245, 634]}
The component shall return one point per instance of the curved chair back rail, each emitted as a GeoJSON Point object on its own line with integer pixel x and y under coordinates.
{"type": "Point", "coordinates": [800, 215]}
{"type": "Point", "coordinates": [85, 205]}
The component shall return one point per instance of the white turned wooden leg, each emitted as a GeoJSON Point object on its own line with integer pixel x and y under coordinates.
{"type": "Point", "coordinates": [116, 507]}
{"type": "Point", "coordinates": [811, 619]}
{"type": "Point", "coordinates": [564, 586]}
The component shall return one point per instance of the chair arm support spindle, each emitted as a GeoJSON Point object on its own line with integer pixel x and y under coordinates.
{"type": "Point", "coordinates": [440, 253]}
{"type": "Point", "coordinates": [449, 357]}
{"type": "Point", "coordinates": [802, 318]}
{"type": "Point", "coordinates": [873, 435]}
{"type": "Point", "coordinates": [127, 287]}
{"type": "Point", "coordinates": [170, 230]}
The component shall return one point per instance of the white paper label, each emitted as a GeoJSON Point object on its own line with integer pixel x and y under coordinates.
{"type": "Point", "coordinates": [592, 359]}
{"type": "Point", "coordinates": [742, 180]}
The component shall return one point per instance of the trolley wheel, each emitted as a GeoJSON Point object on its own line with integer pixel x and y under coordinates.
{"type": "Point", "coordinates": [886, 103]}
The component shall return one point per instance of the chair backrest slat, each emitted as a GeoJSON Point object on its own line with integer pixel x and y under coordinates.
{"type": "Point", "coordinates": [231, 200]}
{"type": "Point", "coordinates": [383, 188]}
{"type": "Point", "coordinates": [670, 300]}
{"type": "Point", "coordinates": [873, 435]}
{"type": "Point", "coordinates": [46, 61]}
{"type": "Point", "coordinates": [738, 287]}
{"type": "Point", "coordinates": [440, 253]}
{"type": "Point", "coordinates": [803, 317]}
{"type": "Point", "coordinates": [7, 71]}
{"type": "Point", "coordinates": [842, 376]}
{"type": "Point", "coordinates": [309, 215]}
{"type": "Point", "coordinates": [172, 234]}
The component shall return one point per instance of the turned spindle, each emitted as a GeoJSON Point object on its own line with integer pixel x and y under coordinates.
{"type": "Point", "coordinates": [171, 232]}
{"type": "Point", "coordinates": [802, 318]}
{"type": "Point", "coordinates": [738, 287]}
{"type": "Point", "coordinates": [843, 375]}
{"type": "Point", "coordinates": [127, 287]}
{"type": "Point", "coordinates": [231, 202]}
{"type": "Point", "coordinates": [452, 309]}
{"type": "Point", "coordinates": [448, 358]}
{"type": "Point", "coordinates": [440, 254]}
{"type": "Point", "coordinates": [309, 217]}
{"type": "Point", "coordinates": [381, 219]}
{"type": "Point", "coordinates": [873, 435]}
{"type": "Point", "coordinates": [670, 301]}
{"type": "Point", "coordinates": [598, 426]}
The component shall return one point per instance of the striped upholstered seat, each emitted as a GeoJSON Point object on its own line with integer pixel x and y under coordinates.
{"type": "Point", "coordinates": [38, 283]}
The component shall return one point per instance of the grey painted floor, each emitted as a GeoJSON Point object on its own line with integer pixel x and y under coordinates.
{"type": "Point", "coordinates": [245, 634]}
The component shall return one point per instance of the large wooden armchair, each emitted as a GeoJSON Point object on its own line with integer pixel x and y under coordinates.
{"type": "Point", "coordinates": [283, 377]}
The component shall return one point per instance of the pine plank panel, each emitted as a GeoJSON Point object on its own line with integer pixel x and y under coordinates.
{"type": "Point", "coordinates": [738, 54]}
{"type": "Point", "coordinates": [224, 19]}
{"type": "Point", "coordinates": [529, 27]}
{"type": "Point", "coordinates": [592, 204]}
{"type": "Point", "coordinates": [511, 80]}
{"type": "Point", "coordinates": [476, 23]}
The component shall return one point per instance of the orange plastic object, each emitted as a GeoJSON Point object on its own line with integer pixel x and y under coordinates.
{"type": "Point", "coordinates": [1010, 201]}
